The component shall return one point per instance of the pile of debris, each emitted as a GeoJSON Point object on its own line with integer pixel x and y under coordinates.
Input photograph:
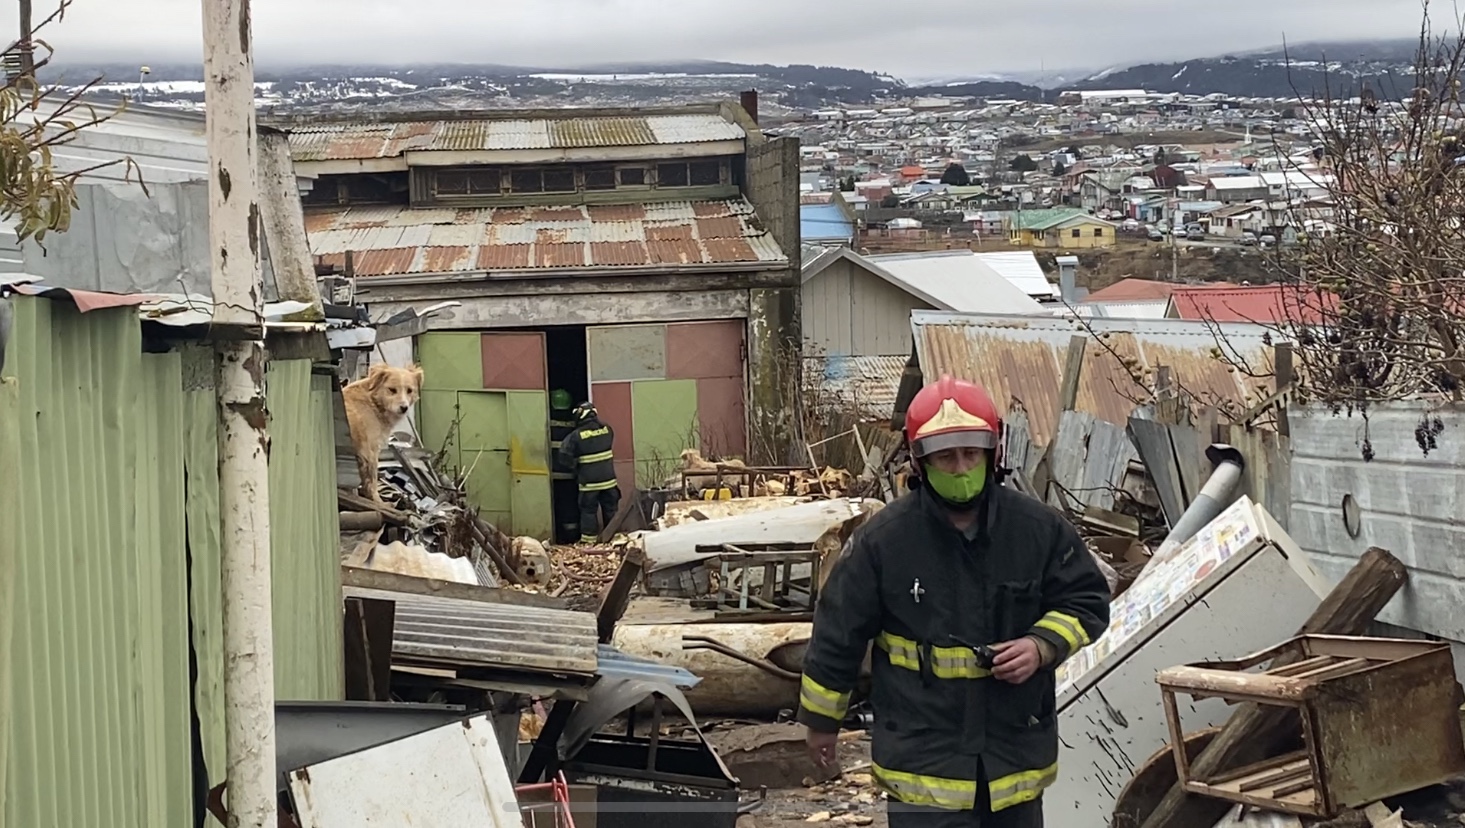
{"type": "Point", "coordinates": [424, 526]}
{"type": "Point", "coordinates": [700, 478]}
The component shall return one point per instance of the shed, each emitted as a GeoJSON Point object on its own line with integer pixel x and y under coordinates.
{"type": "Point", "coordinates": [1020, 360]}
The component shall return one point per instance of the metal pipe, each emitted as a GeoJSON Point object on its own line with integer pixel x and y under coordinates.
{"type": "Point", "coordinates": [238, 328]}
{"type": "Point", "coordinates": [1217, 493]}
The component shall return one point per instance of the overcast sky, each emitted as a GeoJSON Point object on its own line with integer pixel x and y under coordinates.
{"type": "Point", "coordinates": [912, 39]}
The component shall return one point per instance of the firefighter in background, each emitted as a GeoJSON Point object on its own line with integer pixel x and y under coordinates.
{"type": "Point", "coordinates": [562, 476]}
{"type": "Point", "coordinates": [589, 450]}
{"type": "Point", "coordinates": [972, 594]}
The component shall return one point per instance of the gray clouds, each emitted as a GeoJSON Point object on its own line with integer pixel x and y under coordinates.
{"type": "Point", "coordinates": [913, 39]}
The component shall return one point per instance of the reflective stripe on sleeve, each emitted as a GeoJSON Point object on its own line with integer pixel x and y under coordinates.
{"type": "Point", "coordinates": [597, 457]}
{"type": "Point", "coordinates": [1066, 627]}
{"type": "Point", "coordinates": [933, 791]}
{"type": "Point", "coordinates": [1017, 788]}
{"type": "Point", "coordinates": [820, 700]}
{"type": "Point", "coordinates": [946, 662]}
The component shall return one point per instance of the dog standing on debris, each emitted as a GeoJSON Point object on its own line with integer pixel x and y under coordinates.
{"type": "Point", "coordinates": [374, 406]}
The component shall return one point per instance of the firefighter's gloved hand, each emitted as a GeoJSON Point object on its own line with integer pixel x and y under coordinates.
{"type": "Point", "coordinates": [1017, 660]}
{"type": "Point", "coordinates": [822, 748]}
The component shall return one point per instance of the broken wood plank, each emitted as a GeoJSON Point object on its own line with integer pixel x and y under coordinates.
{"type": "Point", "coordinates": [1072, 373]}
{"type": "Point", "coordinates": [352, 502]}
{"type": "Point", "coordinates": [1254, 732]}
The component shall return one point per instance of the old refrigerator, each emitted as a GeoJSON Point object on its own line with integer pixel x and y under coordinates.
{"type": "Point", "coordinates": [1238, 586]}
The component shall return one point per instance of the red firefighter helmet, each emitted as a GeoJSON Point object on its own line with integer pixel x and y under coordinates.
{"type": "Point", "coordinates": [952, 413]}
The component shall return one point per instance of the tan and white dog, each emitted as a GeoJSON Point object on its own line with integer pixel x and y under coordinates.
{"type": "Point", "coordinates": [374, 406]}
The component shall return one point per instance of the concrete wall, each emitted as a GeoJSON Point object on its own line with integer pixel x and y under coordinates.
{"type": "Point", "coordinates": [1408, 503]}
{"type": "Point", "coordinates": [775, 333]}
{"type": "Point", "coordinates": [849, 311]}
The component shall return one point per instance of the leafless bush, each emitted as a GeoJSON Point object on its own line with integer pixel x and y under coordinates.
{"type": "Point", "coordinates": [1375, 297]}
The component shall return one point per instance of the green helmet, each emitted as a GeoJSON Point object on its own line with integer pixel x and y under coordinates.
{"type": "Point", "coordinates": [560, 400]}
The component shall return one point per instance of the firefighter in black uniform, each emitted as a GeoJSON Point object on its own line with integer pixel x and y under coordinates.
{"type": "Point", "coordinates": [562, 476]}
{"type": "Point", "coordinates": [972, 595]}
{"type": "Point", "coordinates": [589, 451]}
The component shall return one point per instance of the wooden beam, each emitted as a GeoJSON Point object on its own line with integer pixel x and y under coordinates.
{"type": "Point", "coordinates": [1286, 376]}
{"type": "Point", "coordinates": [1072, 373]}
{"type": "Point", "coordinates": [352, 576]}
{"type": "Point", "coordinates": [1255, 732]}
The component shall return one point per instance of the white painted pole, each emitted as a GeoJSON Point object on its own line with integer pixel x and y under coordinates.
{"type": "Point", "coordinates": [234, 242]}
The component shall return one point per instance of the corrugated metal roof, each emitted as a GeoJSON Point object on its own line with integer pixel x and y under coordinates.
{"type": "Point", "coordinates": [1132, 289]}
{"type": "Point", "coordinates": [867, 385]}
{"type": "Point", "coordinates": [958, 281]}
{"type": "Point", "coordinates": [1141, 309]}
{"type": "Point", "coordinates": [388, 241]}
{"type": "Point", "coordinates": [824, 221]}
{"type": "Point", "coordinates": [1263, 304]}
{"type": "Point", "coordinates": [118, 520]}
{"type": "Point", "coordinates": [431, 628]}
{"type": "Point", "coordinates": [333, 142]}
{"type": "Point", "coordinates": [168, 146]}
{"type": "Point", "coordinates": [1020, 359]}
{"type": "Point", "coordinates": [1021, 268]}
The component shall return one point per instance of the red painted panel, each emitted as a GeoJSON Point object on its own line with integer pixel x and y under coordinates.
{"type": "Point", "coordinates": [705, 350]}
{"type": "Point", "coordinates": [514, 361]}
{"type": "Point", "coordinates": [613, 401]}
{"type": "Point", "coordinates": [723, 417]}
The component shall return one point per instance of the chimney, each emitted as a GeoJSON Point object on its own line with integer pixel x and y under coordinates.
{"type": "Point", "coordinates": [749, 100]}
{"type": "Point", "coordinates": [1068, 279]}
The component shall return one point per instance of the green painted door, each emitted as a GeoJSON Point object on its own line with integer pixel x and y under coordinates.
{"type": "Point", "coordinates": [483, 455]}
{"type": "Point", "coordinates": [664, 423]}
{"type": "Point", "coordinates": [530, 496]}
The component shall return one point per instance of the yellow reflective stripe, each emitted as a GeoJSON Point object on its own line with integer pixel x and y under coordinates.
{"type": "Point", "coordinates": [820, 700]}
{"type": "Point", "coordinates": [597, 457]}
{"type": "Point", "coordinates": [1018, 788]}
{"type": "Point", "coordinates": [597, 487]}
{"type": "Point", "coordinates": [1065, 626]}
{"type": "Point", "coordinates": [934, 791]}
{"type": "Point", "coordinates": [946, 662]}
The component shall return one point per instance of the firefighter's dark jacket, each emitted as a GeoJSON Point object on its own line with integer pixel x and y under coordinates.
{"type": "Point", "coordinates": [588, 450]}
{"type": "Point", "coordinates": [925, 593]}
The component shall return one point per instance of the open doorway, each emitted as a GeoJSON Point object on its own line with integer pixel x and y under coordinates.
{"type": "Point", "coordinates": [567, 367]}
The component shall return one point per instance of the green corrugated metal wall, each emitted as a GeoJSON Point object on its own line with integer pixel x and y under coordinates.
{"type": "Point", "coordinates": [116, 469]}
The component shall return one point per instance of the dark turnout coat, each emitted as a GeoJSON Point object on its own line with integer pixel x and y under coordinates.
{"type": "Point", "coordinates": [926, 594]}
{"type": "Point", "coordinates": [588, 450]}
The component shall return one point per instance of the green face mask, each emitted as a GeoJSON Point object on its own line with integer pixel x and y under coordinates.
{"type": "Point", "coordinates": [957, 488]}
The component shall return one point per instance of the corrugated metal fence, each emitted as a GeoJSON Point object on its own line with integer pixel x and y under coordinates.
{"type": "Point", "coordinates": [111, 518]}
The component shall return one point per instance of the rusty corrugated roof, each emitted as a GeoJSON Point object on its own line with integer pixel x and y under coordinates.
{"type": "Point", "coordinates": [393, 241]}
{"type": "Point", "coordinates": [336, 142]}
{"type": "Point", "coordinates": [867, 385]}
{"type": "Point", "coordinates": [1020, 359]}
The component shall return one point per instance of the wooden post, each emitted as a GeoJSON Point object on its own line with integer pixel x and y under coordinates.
{"type": "Point", "coordinates": [1072, 373]}
{"type": "Point", "coordinates": [1282, 366]}
{"type": "Point", "coordinates": [1254, 732]}
{"type": "Point", "coordinates": [238, 330]}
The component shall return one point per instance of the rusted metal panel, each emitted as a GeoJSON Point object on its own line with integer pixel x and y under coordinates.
{"type": "Point", "coordinates": [372, 141]}
{"type": "Point", "coordinates": [678, 252]}
{"type": "Point", "coordinates": [1020, 359]}
{"type": "Point", "coordinates": [514, 361]}
{"type": "Point", "coordinates": [678, 233]}
{"type": "Point", "coordinates": [705, 350]}
{"type": "Point", "coordinates": [613, 402]}
{"type": "Point", "coordinates": [443, 259]}
{"type": "Point", "coordinates": [722, 417]}
{"type": "Point", "coordinates": [504, 257]}
{"type": "Point", "coordinates": [616, 212]}
{"type": "Point", "coordinates": [867, 385]}
{"type": "Point", "coordinates": [729, 250]}
{"type": "Point", "coordinates": [617, 253]}
{"type": "Point", "coordinates": [601, 132]}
